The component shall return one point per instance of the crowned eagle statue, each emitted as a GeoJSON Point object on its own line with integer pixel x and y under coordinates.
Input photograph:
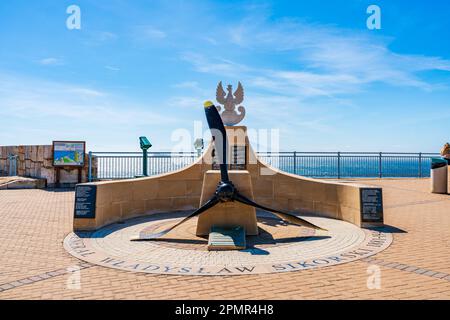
{"type": "Point", "coordinates": [230, 100]}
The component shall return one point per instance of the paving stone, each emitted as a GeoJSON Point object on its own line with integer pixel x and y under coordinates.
{"type": "Point", "coordinates": [401, 266]}
{"type": "Point", "coordinates": [391, 265]}
{"type": "Point", "coordinates": [420, 271]}
{"type": "Point", "coordinates": [6, 286]}
{"type": "Point", "coordinates": [36, 278]}
{"type": "Point", "coordinates": [25, 281]}
{"type": "Point", "coordinates": [33, 224]}
{"type": "Point", "coordinates": [16, 283]}
{"type": "Point", "coordinates": [440, 275]}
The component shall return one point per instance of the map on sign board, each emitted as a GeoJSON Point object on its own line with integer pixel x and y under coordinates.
{"type": "Point", "coordinates": [68, 153]}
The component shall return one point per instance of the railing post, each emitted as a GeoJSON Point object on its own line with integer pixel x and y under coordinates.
{"type": "Point", "coordinates": [339, 165]}
{"type": "Point", "coordinates": [420, 164]}
{"type": "Point", "coordinates": [295, 162]}
{"type": "Point", "coordinates": [90, 167]}
{"type": "Point", "coordinates": [380, 169]}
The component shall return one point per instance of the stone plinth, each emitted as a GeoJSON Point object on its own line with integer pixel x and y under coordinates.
{"type": "Point", "coordinates": [228, 214]}
{"type": "Point", "coordinates": [21, 183]}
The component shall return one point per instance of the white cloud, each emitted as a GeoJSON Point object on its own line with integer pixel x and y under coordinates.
{"type": "Point", "coordinates": [193, 88]}
{"type": "Point", "coordinates": [99, 38]}
{"type": "Point", "coordinates": [104, 36]}
{"type": "Point", "coordinates": [154, 33]}
{"type": "Point", "coordinates": [187, 84]}
{"type": "Point", "coordinates": [50, 62]}
{"type": "Point", "coordinates": [32, 99]}
{"type": "Point", "coordinates": [218, 66]}
{"type": "Point", "coordinates": [148, 32]}
{"type": "Point", "coordinates": [84, 92]}
{"type": "Point", "coordinates": [323, 60]}
{"type": "Point", "coordinates": [112, 68]}
{"type": "Point", "coordinates": [186, 102]}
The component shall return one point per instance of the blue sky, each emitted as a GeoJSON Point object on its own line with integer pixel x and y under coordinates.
{"type": "Point", "coordinates": [311, 69]}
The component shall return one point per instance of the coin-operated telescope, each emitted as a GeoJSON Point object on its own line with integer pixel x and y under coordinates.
{"type": "Point", "coordinates": [145, 145]}
{"type": "Point", "coordinates": [199, 145]}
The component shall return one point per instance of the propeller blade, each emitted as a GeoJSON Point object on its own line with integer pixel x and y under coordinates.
{"type": "Point", "coordinates": [216, 126]}
{"type": "Point", "coordinates": [142, 237]}
{"type": "Point", "coordinates": [282, 215]}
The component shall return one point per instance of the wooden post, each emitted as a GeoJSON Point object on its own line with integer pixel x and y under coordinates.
{"type": "Point", "coordinates": [79, 174]}
{"type": "Point", "coordinates": [58, 177]}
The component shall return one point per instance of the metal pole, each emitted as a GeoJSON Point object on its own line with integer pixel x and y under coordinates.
{"type": "Point", "coordinates": [380, 172]}
{"type": "Point", "coordinates": [144, 164]}
{"type": "Point", "coordinates": [420, 164]}
{"type": "Point", "coordinates": [295, 162]}
{"type": "Point", "coordinates": [339, 165]}
{"type": "Point", "coordinates": [90, 167]}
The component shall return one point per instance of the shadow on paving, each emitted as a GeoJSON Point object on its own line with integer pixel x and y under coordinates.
{"type": "Point", "coordinates": [387, 229]}
{"type": "Point", "coordinates": [59, 190]}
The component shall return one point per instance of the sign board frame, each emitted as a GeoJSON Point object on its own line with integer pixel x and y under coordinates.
{"type": "Point", "coordinates": [81, 165]}
{"type": "Point", "coordinates": [371, 205]}
{"type": "Point", "coordinates": [85, 201]}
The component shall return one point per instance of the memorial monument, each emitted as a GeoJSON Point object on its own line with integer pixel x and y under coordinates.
{"type": "Point", "coordinates": [231, 220]}
{"type": "Point", "coordinates": [224, 187]}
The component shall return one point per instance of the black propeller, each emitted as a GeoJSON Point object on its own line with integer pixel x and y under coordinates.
{"type": "Point", "coordinates": [220, 138]}
{"type": "Point", "coordinates": [225, 191]}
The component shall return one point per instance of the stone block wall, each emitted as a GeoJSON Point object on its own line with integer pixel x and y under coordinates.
{"type": "Point", "coordinates": [37, 162]}
{"type": "Point", "coordinates": [181, 190]}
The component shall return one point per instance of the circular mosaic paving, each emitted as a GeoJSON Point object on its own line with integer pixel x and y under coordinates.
{"type": "Point", "coordinates": [279, 247]}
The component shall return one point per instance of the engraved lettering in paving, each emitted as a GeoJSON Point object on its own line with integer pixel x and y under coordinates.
{"type": "Point", "coordinates": [407, 268]}
{"type": "Point", "coordinates": [40, 277]}
{"type": "Point", "coordinates": [280, 248]}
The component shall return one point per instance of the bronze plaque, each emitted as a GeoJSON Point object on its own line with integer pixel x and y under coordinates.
{"type": "Point", "coordinates": [85, 201]}
{"type": "Point", "coordinates": [371, 205]}
{"type": "Point", "coordinates": [237, 159]}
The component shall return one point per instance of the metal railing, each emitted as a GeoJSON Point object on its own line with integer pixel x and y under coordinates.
{"type": "Point", "coordinates": [125, 165]}
{"type": "Point", "coordinates": [352, 164]}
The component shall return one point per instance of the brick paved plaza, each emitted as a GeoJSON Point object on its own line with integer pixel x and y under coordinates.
{"type": "Point", "coordinates": [34, 264]}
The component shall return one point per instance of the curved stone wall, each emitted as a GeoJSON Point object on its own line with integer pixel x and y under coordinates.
{"type": "Point", "coordinates": [180, 190]}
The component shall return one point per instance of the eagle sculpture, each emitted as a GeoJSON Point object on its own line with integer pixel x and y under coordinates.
{"type": "Point", "coordinates": [229, 100]}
